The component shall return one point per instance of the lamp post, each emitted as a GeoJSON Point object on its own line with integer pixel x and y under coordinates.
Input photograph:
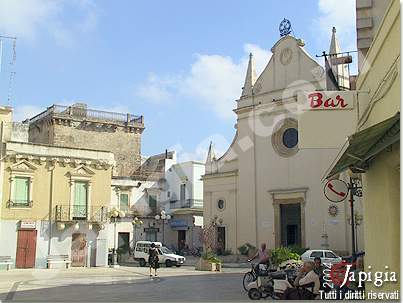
{"type": "Point", "coordinates": [136, 222]}
{"type": "Point", "coordinates": [357, 222]}
{"type": "Point", "coordinates": [115, 214]}
{"type": "Point", "coordinates": [164, 218]}
{"type": "Point", "coordinates": [355, 190]}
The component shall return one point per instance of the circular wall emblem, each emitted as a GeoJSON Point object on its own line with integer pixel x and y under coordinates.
{"type": "Point", "coordinates": [336, 190]}
{"type": "Point", "coordinates": [286, 56]}
{"type": "Point", "coordinates": [333, 210]}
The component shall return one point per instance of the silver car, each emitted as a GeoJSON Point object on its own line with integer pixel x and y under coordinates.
{"type": "Point", "coordinates": [327, 256]}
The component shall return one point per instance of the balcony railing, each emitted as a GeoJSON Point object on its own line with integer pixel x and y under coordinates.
{"type": "Point", "coordinates": [188, 203]}
{"type": "Point", "coordinates": [65, 213]}
{"type": "Point", "coordinates": [90, 114]}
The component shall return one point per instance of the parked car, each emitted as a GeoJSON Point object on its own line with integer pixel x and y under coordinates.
{"type": "Point", "coordinates": [165, 255]}
{"type": "Point", "coordinates": [327, 256]}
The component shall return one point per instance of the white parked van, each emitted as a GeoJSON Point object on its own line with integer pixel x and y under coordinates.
{"type": "Point", "coordinates": [165, 255]}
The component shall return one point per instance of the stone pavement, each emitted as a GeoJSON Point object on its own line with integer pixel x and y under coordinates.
{"type": "Point", "coordinates": [120, 285]}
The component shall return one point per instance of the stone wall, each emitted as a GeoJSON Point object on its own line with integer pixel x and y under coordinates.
{"type": "Point", "coordinates": [124, 142]}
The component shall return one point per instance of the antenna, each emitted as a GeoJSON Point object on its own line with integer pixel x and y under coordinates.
{"type": "Point", "coordinates": [11, 63]}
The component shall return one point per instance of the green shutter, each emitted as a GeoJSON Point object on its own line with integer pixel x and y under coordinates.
{"type": "Point", "coordinates": [152, 202]}
{"type": "Point", "coordinates": [21, 190]}
{"type": "Point", "coordinates": [124, 202]}
{"type": "Point", "coordinates": [80, 193]}
{"type": "Point", "coordinates": [80, 199]}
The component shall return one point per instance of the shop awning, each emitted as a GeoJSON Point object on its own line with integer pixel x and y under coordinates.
{"type": "Point", "coordinates": [364, 145]}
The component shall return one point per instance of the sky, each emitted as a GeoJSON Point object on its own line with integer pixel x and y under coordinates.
{"type": "Point", "coordinates": [180, 64]}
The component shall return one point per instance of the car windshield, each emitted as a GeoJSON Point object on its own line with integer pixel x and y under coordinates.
{"type": "Point", "coordinates": [166, 250]}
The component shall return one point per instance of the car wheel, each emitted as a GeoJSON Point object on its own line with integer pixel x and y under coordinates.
{"type": "Point", "coordinates": [254, 294]}
{"type": "Point", "coordinates": [178, 265]}
{"type": "Point", "coordinates": [168, 263]}
{"type": "Point", "coordinates": [142, 262]}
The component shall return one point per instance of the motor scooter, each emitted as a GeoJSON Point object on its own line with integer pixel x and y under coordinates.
{"type": "Point", "coordinates": [271, 285]}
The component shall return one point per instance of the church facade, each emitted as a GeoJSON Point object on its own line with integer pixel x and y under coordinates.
{"type": "Point", "coordinates": [265, 189]}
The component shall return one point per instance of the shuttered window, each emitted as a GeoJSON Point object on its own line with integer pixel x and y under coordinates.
{"type": "Point", "coordinates": [80, 199]}
{"type": "Point", "coordinates": [21, 191]}
{"type": "Point", "coordinates": [152, 202]}
{"type": "Point", "coordinates": [124, 202]}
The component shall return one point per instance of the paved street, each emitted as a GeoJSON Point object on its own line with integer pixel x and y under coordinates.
{"type": "Point", "coordinates": [123, 284]}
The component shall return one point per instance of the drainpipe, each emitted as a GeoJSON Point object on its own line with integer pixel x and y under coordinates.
{"type": "Point", "coordinates": [51, 169]}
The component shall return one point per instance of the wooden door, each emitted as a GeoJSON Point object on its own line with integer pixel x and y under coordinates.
{"type": "Point", "coordinates": [78, 250]}
{"type": "Point", "coordinates": [26, 249]}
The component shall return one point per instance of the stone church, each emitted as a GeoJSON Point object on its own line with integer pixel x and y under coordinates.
{"type": "Point", "coordinates": [265, 189]}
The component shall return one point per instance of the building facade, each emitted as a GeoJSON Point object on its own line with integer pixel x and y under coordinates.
{"type": "Point", "coordinates": [54, 200]}
{"type": "Point", "coordinates": [373, 150]}
{"type": "Point", "coordinates": [265, 189]}
{"type": "Point", "coordinates": [139, 198]}
{"type": "Point", "coordinates": [185, 205]}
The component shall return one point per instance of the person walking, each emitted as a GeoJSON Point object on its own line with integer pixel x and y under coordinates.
{"type": "Point", "coordinates": [153, 259]}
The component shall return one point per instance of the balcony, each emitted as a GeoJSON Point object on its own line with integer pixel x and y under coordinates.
{"type": "Point", "coordinates": [66, 213]}
{"type": "Point", "coordinates": [188, 203]}
{"type": "Point", "coordinates": [82, 113]}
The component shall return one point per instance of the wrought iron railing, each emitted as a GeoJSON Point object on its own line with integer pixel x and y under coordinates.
{"type": "Point", "coordinates": [90, 114]}
{"type": "Point", "coordinates": [188, 203]}
{"type": "Point", "coordinates": [65, 213]}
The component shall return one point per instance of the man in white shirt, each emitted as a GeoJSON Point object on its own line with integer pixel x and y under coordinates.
{"type": "Point", "coordinates": [307, 275]}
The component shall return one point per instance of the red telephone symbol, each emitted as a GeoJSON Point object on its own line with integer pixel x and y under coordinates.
{"type": "Point", "coordinates": [341, 194]}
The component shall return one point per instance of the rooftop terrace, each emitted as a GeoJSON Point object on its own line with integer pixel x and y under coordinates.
{"type": "Point", "coordinates": [82, 113]}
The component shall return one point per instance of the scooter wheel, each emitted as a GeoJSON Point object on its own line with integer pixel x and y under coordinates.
{"type": "Point", "coordinates": [254, 294]}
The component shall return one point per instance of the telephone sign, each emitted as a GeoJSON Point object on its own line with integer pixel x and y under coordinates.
{"type": "Point", "coordinates": [336, 190]}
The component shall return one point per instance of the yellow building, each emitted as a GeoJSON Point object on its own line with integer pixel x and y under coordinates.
{"type": "Point", "coordinates": [53, 199]}
{"type": "Point", "coordinates": [374, 150]}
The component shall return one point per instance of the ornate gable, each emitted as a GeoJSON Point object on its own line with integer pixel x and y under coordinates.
{"type": "Point", "coordinates": [289, 66]}
{"type": "Point", "coordinates": [82, 171]}
{"type": "Point", "coordinates": [23, 166]}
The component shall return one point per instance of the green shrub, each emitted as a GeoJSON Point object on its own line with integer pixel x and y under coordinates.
{"type": "Point", "coordinates": [210, 257]}
{"type": "Point", "coordinates": [297, 249]}
{"type": "Point", "coordinates": [281, 254]}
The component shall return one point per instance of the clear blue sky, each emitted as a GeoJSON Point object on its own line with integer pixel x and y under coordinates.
{"type": "Point", "coordinates": [178, 63]}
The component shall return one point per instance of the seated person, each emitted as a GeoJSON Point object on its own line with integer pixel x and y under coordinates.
{"type": "Point", "coordinates": [306, 278]}
{"type": "Point", "coordinates": [307, 275]}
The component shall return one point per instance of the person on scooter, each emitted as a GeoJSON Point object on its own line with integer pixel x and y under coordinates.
{"type": "Point", "coordinates": [318, 267]}
{"type": "Point", "coordinates": [262, 255]}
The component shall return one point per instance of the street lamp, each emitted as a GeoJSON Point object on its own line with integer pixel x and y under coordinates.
{"type": "Point", "coordinates": [164, 218]}
{"type": "Point", "coordinates": [355, 189]}
{"type": "Point", "coordinates": [136, 222]}
{"type": "Point", "coordinates": [357, 222]}
{"type": "Point", "coordinates": [115, 214]}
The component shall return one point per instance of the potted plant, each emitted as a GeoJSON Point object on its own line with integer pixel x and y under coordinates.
{"type": "Point", "coordinates": [208, 260]}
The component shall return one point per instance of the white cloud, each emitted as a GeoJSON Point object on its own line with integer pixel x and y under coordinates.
{"type": "Point", "coordinates": [200, 152]}
{"type": "Point", "coordinates": [28, 18]}
{"type": "Point", "coordinates": [157, 89]}
{"type": "Point", "coordinates": [340, 14]}
{"type": "Point", "coordinates": [213, 81]}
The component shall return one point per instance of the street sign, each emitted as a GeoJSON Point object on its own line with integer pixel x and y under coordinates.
{"type": "Point", "coordinates": [336, 190]}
